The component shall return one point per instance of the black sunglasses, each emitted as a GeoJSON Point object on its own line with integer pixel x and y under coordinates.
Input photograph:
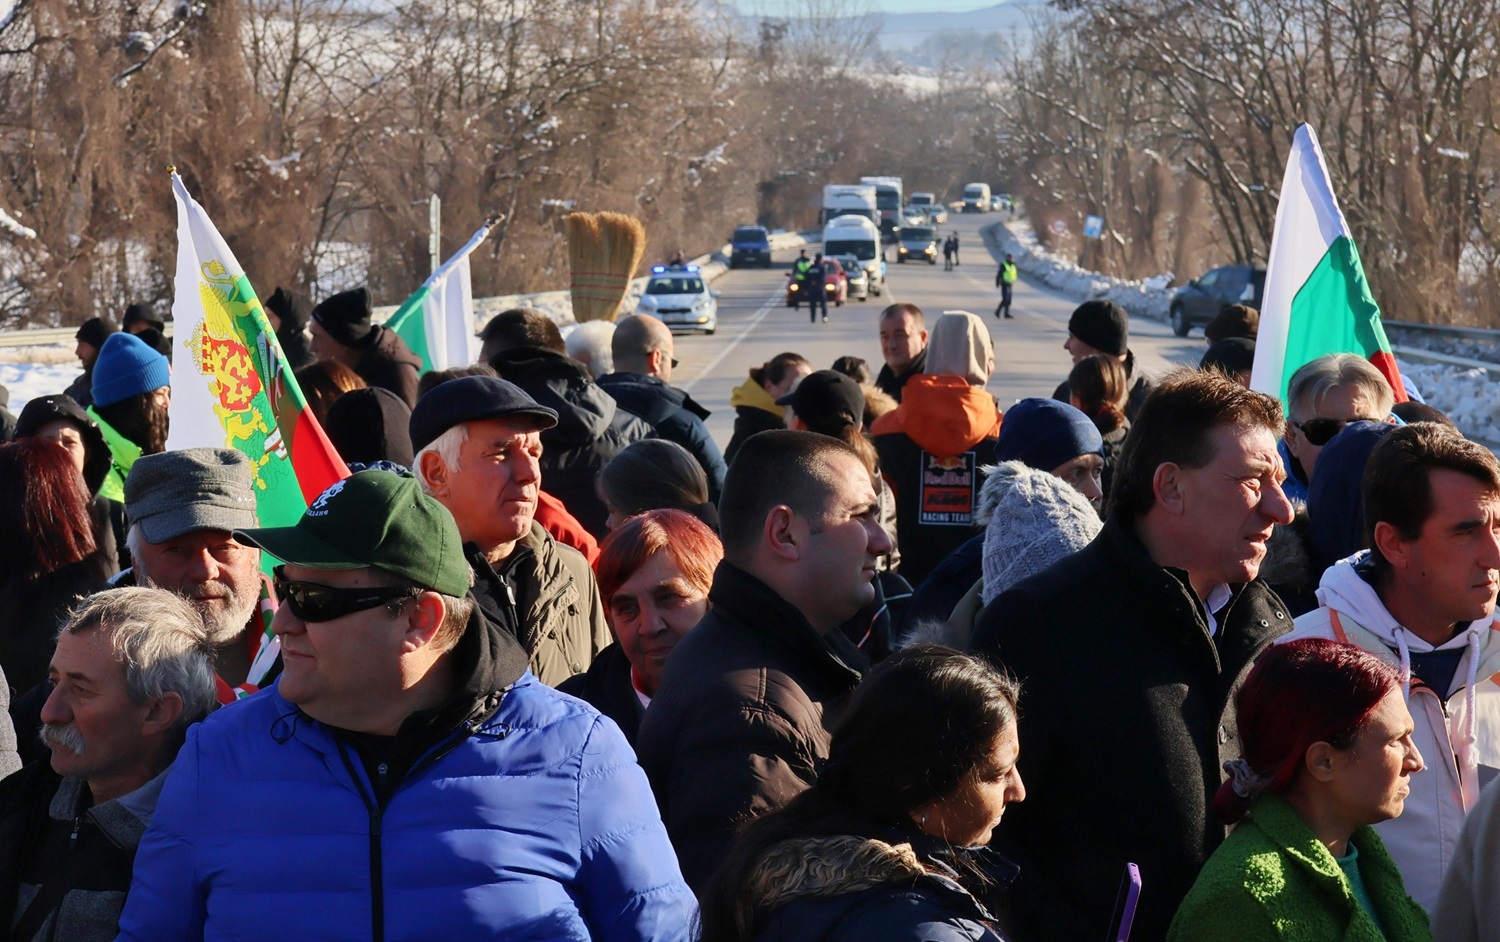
{"type": "Point", "coordinates": [1321, 431]}
{"type": "Point", "coordinates": [312, 602]}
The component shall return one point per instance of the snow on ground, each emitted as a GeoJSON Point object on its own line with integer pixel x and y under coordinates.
{"type": "Point", "coordinates": [26, 381]}
{"type": "Point", "coordinates": [1471, 398]}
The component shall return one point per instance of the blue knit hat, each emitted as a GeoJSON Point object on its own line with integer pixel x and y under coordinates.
{"type": "Point", "coordinates": [127, 366]}
{"type": "Point", "coordinates": [1044, 433]}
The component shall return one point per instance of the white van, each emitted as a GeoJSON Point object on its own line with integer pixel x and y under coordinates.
{"type": "Point", "coordinates": [845, 199]}
{"type": "Point", "coordinates": [977, 198]}
{"type": "Point", "coordinates": [859, 237]}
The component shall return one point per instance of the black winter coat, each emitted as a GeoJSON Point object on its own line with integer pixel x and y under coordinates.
{"type": "Point", "coordinates": [749, 420]}
{"type": "Point", "coordinates": [606, 686]}
{"type": "Point", "coordinates": [741, 722]}
{"type": "Point", "coordinates": [891, 384]}
{"type": "Point", "coordinates": [1126, 720]}
{"type": "Point", "coordinates": [31, 611]}
{"type": "Point", "coordinates": [388, 362]}
{"type": "Point", "coordinates": [591, 427]}
{"type": "Point", "coordinates": [674, 416]}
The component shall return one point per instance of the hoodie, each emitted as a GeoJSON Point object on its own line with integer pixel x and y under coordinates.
{"type": "Point", "coordinates": [1457, 730]}
{"type": "Point", "coordinates": [389, 363]}
{"type": "Point", "coordinates": [931, 448]}
{"type": "Point", "coordinates": [591, 427]}
{"type": "Point", "coordinates": [755, 410]}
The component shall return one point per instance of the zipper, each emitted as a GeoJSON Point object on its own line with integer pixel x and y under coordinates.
{"type": "Point", "coordinates": [72, 848]}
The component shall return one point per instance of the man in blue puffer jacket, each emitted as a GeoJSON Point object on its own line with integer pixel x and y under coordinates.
{"type": "Point", "coordinates": [407, 777]}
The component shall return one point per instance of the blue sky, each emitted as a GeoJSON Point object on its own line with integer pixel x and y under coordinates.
{"type": "Point", "coordinates": [772, 7]}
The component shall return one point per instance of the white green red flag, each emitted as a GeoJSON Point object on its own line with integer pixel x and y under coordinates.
{"type": "Point", "coordinates": [231, 387]}
{"type": "Point", "coordinates": [1317, 300]}
{"type": "Point", "coordinates": [437, 321]}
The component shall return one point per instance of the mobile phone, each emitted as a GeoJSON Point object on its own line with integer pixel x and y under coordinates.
{"type": "Point", "coordinates": [1125, 903]}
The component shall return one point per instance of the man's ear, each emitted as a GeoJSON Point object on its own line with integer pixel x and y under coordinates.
{"type": "Point", "coordinates": [423, 619]}
{"type": "Point", "coordinates": [1386, 538]}
{"type": "Point", "coordinates": [163, 714]}
{"type": "Point", "coordinates": [782, 535]}
{"type": "Point", "coordinates": [1166, 485]}
{"type": "Point", "coordinates": [433, 470]}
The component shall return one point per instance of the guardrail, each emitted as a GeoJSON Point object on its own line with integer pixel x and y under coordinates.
{"type": "Point", "coordinates": [1489, 334]}
{"type": "Point", "coordinates": [484, 308]}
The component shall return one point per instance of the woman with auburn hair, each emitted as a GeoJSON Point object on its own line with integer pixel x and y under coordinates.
{"type": "Point", "coordinates": [323, 381]}
{"type": "Point", "coordinates": [1327, 752]}
{"type": "Point", "coordinates": [654, 573]}
{"type": "Point", "coordinates": [891, 842]}
{"type": "Point", "coordinates": [1099, 387]}
{"type": "Point", "coordinates": [48, 556]}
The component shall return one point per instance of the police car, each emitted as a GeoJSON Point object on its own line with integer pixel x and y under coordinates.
{"type": "Point", "coordinates": [679, 298]}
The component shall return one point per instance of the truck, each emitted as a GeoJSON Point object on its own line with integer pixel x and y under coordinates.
{"type": "Point", "coordinates": [888, 201]}
{"type": "Point", "coordinates": [859, 237]}
{"type": "Point", "coordinates": [977, 198]}
{"type": "Point", "coordinates": [923, 198]}
{"type": "Point", "coordinates": [845, 199]}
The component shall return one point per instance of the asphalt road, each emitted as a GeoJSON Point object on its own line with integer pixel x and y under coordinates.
{"type": "Point", "coordinates": [755, 325]}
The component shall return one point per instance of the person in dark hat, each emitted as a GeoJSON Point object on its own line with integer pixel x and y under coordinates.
{"type": "Point", "coordinates": [1232, 356]}
{"type": "Point", "coordinates": [1103, 327]}
{"type": "Point", "coordinates": [58, 419]}
{"type": "Point", "coordinates": [1233, 320]}
{"type": "Point", "coordinates": [90, 336]}
{"type": "Point", "coordinates": [289, 311]}
{"type": "Point", "coordinates": [478, 443]}
{"type": "Point", "coordinates": [139, 317]}
{"type": "Point", "coordinates": [342, 330]}
{"type": "Point", "coordinates": [407, 733]}
{"type": "Point", "coordinates": [156, 340]}
{"type": "Point", "coordinates": [370, 425]}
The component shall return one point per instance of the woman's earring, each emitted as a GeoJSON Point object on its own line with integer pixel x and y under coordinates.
{"type": "Point", "coordinates": [923, 822]}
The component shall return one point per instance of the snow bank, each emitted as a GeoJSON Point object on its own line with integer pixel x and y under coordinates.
{"type": "Point", "coordinates": [1149, 298]}
{"type": "Point", "coordinates": [1468, 397]}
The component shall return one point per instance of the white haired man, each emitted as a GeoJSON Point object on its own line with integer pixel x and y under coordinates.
{"type": "Point", "coordinates": [133, 669]}
{"type": "Point", "coordinates": [1322, 397]}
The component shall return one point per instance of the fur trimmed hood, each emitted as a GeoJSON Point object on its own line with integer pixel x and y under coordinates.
{"type": "Point", "coordinates": [830, 866]}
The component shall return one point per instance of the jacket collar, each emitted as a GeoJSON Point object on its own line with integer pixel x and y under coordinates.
{"type": "Point", "coordinates": [753, 395]}
{"type": "Point", "coordinates": [123, 820]}
{"type": "Point", "coordinates": [738, 595]}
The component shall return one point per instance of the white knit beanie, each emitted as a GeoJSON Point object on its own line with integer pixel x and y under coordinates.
{"type": "Point", "coordinates": [1037, 521]}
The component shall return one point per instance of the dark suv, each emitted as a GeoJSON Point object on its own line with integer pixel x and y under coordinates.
{"type": "Point", "coordinates": [750, 244]}
{"type": "Point", "coordinates": [1197, 302]}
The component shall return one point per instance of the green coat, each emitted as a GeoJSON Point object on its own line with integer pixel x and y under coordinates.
{"type": "Point", "coordinates": [1272, 879]}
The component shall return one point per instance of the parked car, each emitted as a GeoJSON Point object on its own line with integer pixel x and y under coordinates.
{"type": "Point", "coordinates": [917, 242]}
{"type": "Point", "coordinates": [937, 215]}
{"type": "Point", "coordinates": [750, 245]}
{"type": "Point", "coordinates": [1197, 302]}
{"type": "Point", "coordinates": [859, 281]}
{"type": "Point", "coordinates": [680, 298]}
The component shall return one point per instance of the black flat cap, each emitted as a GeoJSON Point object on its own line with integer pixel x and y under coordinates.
{"type": "Point", "coordinates": [472, 399]}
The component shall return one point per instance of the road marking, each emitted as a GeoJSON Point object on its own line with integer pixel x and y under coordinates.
{"type": "Point", "coordinates": [760, 315]}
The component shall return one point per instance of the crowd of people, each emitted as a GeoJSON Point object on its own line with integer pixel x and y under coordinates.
{"type": "Point", "coordinates": [901, 662]}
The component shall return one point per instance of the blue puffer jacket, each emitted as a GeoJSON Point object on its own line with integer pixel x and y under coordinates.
{"type": "Point", "coordinates": [528, 821]}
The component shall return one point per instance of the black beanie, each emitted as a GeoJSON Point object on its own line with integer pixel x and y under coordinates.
{"type": "Point", "coordinates": [96, 330]}
{"type": "Point", "coordinates": [156, 341]}
{"type": "Point", "coordinates": [1103, 325]}
{"type": "Point", "coordinates": [369, 425]}
{"type": "Point", "coordinates": [346, 317]}
{"type": "Point", "coordinates": [1230, 355]}
{"type": "Point", "coordinates": [142, 314]}
{"type": "Point", "coordinates": [290, 306]}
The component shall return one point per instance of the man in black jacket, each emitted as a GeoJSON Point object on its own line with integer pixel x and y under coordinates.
{"type": "Point", "coordinates": [591, 427]}
{"type": "Point", "coordinates": [1102, 328]}
{"type": "Point", "coordinates": [132, 672]}
{"type": "Point", "coordinates": [342, 330]}
{"type": "Point", "coordinates": [642, 349]}
{"type": "Point", "coordinates": [741, 721]}
{"type": "Point", "coordinates": [903, 344]}
{"type": "Point", "coordinates": [1129, 653]}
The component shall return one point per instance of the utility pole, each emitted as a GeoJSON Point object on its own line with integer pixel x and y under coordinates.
{"type": "Point", "coordinates": [435, 225]}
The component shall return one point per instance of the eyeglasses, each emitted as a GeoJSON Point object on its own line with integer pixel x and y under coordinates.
{"type": "Point", "coordinates": [313, 602]}
{"type": "Point", "coordinates": [1321, 431]}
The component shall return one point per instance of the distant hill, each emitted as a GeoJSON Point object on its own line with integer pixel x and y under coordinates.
{"type": "Point", "coordinates": [905, 30]}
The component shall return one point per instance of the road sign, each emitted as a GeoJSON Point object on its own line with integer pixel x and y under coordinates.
{"type": "Point", "coordinates": [1059, 226]}
{"type": "Point", "coordinates": [1093, 227]}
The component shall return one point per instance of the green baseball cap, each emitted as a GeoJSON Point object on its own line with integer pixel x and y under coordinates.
{"type": "Point", "coordinates": [373, 518]}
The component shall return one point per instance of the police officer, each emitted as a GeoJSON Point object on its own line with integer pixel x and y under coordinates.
{"type": "Point", "coordinates": [1005, 280]}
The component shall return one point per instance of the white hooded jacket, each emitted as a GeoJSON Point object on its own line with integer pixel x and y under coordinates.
{"type": "Point", "coordinates": [1459, 740]}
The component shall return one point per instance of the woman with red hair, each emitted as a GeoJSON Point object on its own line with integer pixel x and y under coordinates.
{"type": "Point", "coordinates": [1327, 752]}
{"type": "Point", "coordinates": [48, 555]}
{"type": "Point", "coordinates": [654, 573]}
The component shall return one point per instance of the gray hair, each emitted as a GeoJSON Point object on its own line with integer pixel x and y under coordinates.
{"type": "Point", "coordinates": [446, 446]}
{"type": "Point", "coordinates": [160, 640]}
{"type": "Point", "coordinates": [1318, 377]}
{"type": "Point", "coordinates": [593, 339]}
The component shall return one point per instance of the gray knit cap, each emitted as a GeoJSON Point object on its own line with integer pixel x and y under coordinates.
{"type": "Point", "coordinates": [1038, 520]}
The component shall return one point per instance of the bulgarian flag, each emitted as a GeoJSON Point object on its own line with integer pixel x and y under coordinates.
{"type": "Point", "coordinates": [231, 387]}
{"type": "Point", "coordinates": [437, 322]}
{"type": "Point", "coordinates": [1317, 300]}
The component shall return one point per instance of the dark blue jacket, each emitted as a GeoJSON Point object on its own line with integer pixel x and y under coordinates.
{"type": "Point", "coordinates": [674, 416]}
{"type": "Point", "coordinates": [527, 819]}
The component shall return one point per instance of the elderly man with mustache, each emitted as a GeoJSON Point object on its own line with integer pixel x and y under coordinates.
{"type": "Point", "coordinates": [182, 507]}
{"type": "Point", "coordinates": [132, 670]}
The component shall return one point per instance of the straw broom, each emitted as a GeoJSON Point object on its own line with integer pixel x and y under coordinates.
{"type": "Point", "coordinates": [603, 252]}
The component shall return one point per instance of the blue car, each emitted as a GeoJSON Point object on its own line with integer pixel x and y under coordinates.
{"type": "Point", "coordinates": [750, 245]}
